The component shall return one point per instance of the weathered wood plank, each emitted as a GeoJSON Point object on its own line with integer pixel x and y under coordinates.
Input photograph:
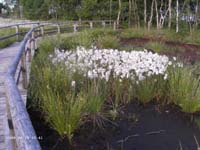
{"type": "Point", "coordinates": [6, 56]}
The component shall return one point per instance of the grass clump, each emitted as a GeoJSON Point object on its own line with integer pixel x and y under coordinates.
{"type": "Point", "coordinates": [132, 33]}
{"type": "Point", "coordinates": [145, 90]}
{"type": "Point", "coordinates": [108, 41]}
{"type": "Point", "coordinates": [184, 89]}
{"type": "Point", "coordinates": [155, 46]}
{"type": "Point", "coordinates": [62, 105]}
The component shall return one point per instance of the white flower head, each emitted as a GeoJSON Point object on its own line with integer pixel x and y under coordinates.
{"type": "Point", "coordinates": [73, 84]}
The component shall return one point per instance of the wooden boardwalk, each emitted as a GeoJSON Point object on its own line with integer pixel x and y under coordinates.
{"type": "Point", "coordinates": [6, 56]}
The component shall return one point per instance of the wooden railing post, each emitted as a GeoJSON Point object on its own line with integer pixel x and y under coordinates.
{"type": "Point", "coordinates": [58, 26]}
{"type": "Point", "coordinates": [38, 32]}
{"type": "Point", "coordinates": [114, 25]}
{"type": "Point", "coordinates": [42, 30]}
{"type": "Point", "coordinates": [17, 32]}
{"type": "Point", "coordinates": [91, 24]}
{"type": "Point", "coordinates": [103, 24]}
{"type": "Point", "coordinates": [24, 71]}
{"type": "Point", "coordinates": [75, 25]}
{"type": "Point", "coordinates": [29, 50]}
{"type": "Point", "coordinates": [33, 40]}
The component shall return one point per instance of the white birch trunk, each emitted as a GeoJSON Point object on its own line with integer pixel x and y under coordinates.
{"type": "Point", "coordinates": [170, 14]}
{"type": "Point", "coordinates": [145, 13]}
{"type": "Point", "coordinates": [177, 16]}
{"type": "Point", "coordinates": [130, 12]}
{"type": "Point", "coordinates": [151, 16]}
{"type": "Point", "coordinates": [157, 16]}
{"type": "Point", "coordinates": [119, 13]}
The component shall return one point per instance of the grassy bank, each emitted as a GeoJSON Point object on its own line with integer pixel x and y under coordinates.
{"type": "Point", "coordinates": [184, 36]}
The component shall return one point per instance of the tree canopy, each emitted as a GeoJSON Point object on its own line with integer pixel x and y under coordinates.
{"type": "Point", "coordinates": [131, 12]}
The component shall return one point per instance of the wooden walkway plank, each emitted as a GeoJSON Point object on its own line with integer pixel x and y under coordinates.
{"type": "Point", "coordinates": [6, 56]}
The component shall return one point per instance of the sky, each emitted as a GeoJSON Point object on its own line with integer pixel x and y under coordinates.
{"type": "Point", "coordinates": [1, 1]}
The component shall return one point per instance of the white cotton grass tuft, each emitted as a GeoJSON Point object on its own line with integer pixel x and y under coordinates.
{"type": "Point", "coordinates": [103, 63]}
{"type": "Point", "coordinates": [73, 84]}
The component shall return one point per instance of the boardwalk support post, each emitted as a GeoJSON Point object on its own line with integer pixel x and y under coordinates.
{"type": "Point", "coordinates": [91, 24]}
{"type": "Point", "coordinates": [103, 24]}
{"type": "Point", "coordinates": [42, 30]}
{"type": "Point", "coordinates": [75, 25]}
{"type": "Point", "coordinates": [58, 26]}
{"type": "Point", "coordinates": [17, 32]}
{"type": "Point", "coordinates": [24, 71]}
{"type": "Point", "coordinates": [114, 25]}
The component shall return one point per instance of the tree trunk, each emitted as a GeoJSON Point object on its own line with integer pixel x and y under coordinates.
{"type": "Point", "coordinates": [163, 17]}
{"type": "Point", "coordinates": [110, 11]}
{"type": "Point", "coordinates": [197, 13]}
{"type": "Point", "coordinates": [170, 14]}
{"type": "Point", "coordinates": [119, 13]}
{"type": "Point", "coordinates": [136, 14]}
{"type": "Point", "coordinates": [151, 16]}
{"type": "Point", "coordinates": [177, 16]}
{"type": "Point", "coordinates": [130, 12]}
{"type": "Point", "coordinates": [145, 13]}
{"type": "Point", "coordinates": [157, 16]}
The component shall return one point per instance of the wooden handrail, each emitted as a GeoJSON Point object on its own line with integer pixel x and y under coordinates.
{"type": "Point", "coordinates": [25, 136]}
{"type": "Point", "coordinates": [56, 24]}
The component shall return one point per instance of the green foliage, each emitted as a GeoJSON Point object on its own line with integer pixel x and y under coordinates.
{"type": "Point", "coordinates": [59, 101]}
{"type": "Point", "coordinates": [66, 107]}
{"type": "Point", "coordinates": [85, 38]}
{"type": "Point", "coordinates": [155, 46]}
{"type": "Point", "coordinates": [183, 36]}
{"type": "Point", "coordinates": [184, 89]}
{"type": "Point", "coordinates": [132, 33]}
{"type": "Point", "coordinates": [95, 94]}
{"type": "Point", "coordinates": [6, 32]}
{"type": "Point", "coordinates": [145, 90]}
{"type": "Point", "coordinates": [108, 41]}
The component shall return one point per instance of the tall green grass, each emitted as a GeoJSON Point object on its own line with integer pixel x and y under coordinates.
{"type": "Point", "coordinates": [184, 89]}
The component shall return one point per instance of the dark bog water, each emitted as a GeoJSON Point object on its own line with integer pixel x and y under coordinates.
{"type": "Point", "coordinates": [139, 128]}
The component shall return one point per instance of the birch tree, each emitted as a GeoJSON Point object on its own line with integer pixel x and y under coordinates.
{"type": "Point", "coordinates": [130, 12]}
{"type": "Point", "coordinates": [177, 16]}
{"type": "Point", "coordinates": [197, 12]}
{"type": "Point", "coordinates": [157, 16]}
{"type": "Point", "coordinates": [119, 12]}
{"type": "Point", "coordinates": [145, 13]}
{"type": "Point", "coordinates": [151, 16]}
{"type": "Point", "coordinates": [170, 14]}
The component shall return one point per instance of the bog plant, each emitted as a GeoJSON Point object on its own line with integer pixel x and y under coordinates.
{"type": "Point", "coordinates": [80, 84]}
{"type": "Point", "coordinates": [184, 88]}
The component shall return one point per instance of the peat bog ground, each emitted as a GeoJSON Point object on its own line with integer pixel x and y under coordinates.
{"type": "Point", "coordinates": [138, 127]}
